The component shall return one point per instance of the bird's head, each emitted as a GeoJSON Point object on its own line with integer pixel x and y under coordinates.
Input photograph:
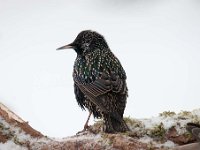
{"type": "Point", "coordinates": [86, 42]}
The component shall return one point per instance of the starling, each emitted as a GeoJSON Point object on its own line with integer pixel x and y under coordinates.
{"type": "Point", "coordinates": [99, 80]}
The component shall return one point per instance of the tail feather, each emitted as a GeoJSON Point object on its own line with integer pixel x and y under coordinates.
{"type": "Point", "coordinates": [119, 126]}
{"type": "Point", "coordinates": [108, 127]}
{"type": "Point", "coordinates": [114, 124]}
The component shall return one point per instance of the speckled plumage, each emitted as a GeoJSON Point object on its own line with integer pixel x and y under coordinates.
{"type": "Point", "coordinates": [99, 80]}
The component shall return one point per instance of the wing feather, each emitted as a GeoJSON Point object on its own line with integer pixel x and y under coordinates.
{"type": "Point", "coordinates": [104, 84]}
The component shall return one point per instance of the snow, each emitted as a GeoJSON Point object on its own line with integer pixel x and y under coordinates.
{"type": "Point", "coordinates": [17, 137]}
{"type": "Point", "coordinates": [169, 121]}
{"type": "Point", "coordinates": [146, 139]}
{"type": "Point", "coordinates": [196, 112]}
{"type": "Point", "coordinates": [142, 127]}
{"type": "Point", "coordinates": [81, 137]}
{"type": "Point", "coordinates": [178, 121]}
{"type": "Point", "coordinates": [10, 145]}
{"type": "Point", "coordinates": [12, 129]}
{"type": "Point", "coordinates": [168, 144]}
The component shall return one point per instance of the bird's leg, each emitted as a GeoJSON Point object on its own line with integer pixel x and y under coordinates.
{"type": "Point", "coordinates": [86, 123]}
{"type": "Point", "coordinates": [86, 127]}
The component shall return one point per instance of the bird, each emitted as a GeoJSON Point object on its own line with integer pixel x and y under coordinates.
{"type": "Point", "coordinates": [99, 81]}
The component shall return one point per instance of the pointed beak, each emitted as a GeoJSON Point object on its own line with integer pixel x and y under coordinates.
{"type": "Point", "coordinates": [65, 47]}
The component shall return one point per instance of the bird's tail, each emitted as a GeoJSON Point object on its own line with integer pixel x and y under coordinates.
{"type": "Point", "coordinates": [119, 126]}
{"type": "Point", "coordinates": [114, 124]}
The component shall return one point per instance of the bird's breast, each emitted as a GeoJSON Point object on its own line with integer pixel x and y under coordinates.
{"type": "Point", "coordinates": [85, 70]}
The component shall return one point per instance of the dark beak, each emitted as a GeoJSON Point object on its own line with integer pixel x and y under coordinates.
{"type": "Point", "coordinates": [66, 47]}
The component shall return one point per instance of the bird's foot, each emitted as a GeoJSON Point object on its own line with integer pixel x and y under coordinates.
{"type": "Point", "coordinates": [86, 128]}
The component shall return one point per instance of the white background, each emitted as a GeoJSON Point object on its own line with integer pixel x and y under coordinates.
{"type": "Point", "coordinates": [157, 42]}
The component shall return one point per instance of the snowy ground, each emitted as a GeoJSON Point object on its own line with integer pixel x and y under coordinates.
{"type": "Point", "coordinates": [165, 131]}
